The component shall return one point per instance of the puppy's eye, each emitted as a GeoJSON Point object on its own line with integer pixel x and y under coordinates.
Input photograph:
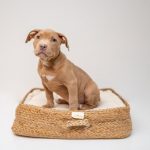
{"type": "Point", "coordinates": [54, 40]}
{"type": "Point", "coordinates": [38, 37]}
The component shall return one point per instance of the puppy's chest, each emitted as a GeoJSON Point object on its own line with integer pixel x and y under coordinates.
{"type": "Point", "coordinates": [48, 75]}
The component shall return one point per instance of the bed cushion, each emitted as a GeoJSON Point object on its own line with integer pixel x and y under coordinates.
{"type": "Point", "coordinates": [108, 100]}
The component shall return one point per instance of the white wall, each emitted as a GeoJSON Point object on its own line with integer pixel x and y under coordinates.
{"type": "Point", "coordinates": [108, 39]}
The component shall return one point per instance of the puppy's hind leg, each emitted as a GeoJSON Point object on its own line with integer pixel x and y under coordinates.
{"type": "Point", "coordinates": [61, 101]}
{"type": "Point", "coordinates": [86, 106]}
{"type": "Point", "coordinates": [92, 97]}
{"type": "Point", "coordinates": [91, 102]}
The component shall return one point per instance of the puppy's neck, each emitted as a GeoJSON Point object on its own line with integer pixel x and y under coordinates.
{"type": "Point", "coordinates": [54, 63]}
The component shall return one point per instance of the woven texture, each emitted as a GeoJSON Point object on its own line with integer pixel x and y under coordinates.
{"type": "Point", "coordinates": [36, 121]}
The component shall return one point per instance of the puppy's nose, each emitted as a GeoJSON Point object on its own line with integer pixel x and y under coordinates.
{"type": "Point", "coordinates": [43, 47]}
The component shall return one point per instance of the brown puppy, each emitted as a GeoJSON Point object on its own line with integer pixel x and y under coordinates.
{"type": "Point", "coordinates": [61, 76]}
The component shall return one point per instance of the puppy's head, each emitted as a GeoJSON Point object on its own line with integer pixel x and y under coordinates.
{"type": "Point", "coordinates": [47, 43]}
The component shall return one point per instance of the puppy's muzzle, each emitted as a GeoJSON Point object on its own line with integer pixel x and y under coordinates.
{"type": "Point", "coordinates": [43, 47]}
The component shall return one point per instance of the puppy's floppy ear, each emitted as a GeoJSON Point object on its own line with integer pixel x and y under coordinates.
{"type": "Point", "coordinates": [32, 34]}
{"type": "Point", "coordinates": [63, 39]}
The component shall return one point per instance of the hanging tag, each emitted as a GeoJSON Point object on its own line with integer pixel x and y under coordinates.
{"type": "Point", "coordinates": [78, 115]}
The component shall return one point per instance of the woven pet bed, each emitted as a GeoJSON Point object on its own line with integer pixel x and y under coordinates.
{"type": "Point", "coordinates": [109, 120]}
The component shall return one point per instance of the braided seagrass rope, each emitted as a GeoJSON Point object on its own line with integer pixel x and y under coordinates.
{"type": "Point", "coordinates": [36, 121]}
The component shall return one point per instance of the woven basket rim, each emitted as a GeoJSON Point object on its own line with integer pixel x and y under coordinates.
{"type": "Point", "coordinates": [126, 107]}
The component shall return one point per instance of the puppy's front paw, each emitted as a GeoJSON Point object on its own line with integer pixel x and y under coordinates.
{"type": "Point", "coordinates": [48, 106]}
{"type": "Point", "coordinates": [73, 108]}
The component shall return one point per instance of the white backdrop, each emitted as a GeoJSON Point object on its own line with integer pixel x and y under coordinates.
{"type": "Point", "coordinates": [109, 39]}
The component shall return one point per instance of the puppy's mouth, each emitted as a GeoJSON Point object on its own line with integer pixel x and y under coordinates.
{"type": "Point", "coordinates": [41, 54]}
{"type": "Point", "coordinates": [44, 56]}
